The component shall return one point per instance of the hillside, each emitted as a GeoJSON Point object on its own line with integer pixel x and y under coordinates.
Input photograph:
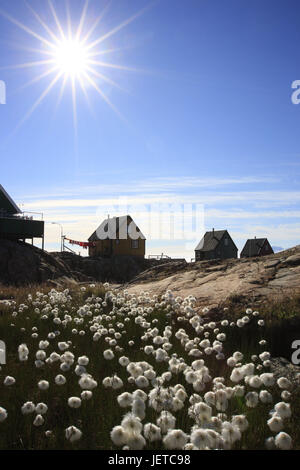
{"type": "Point", "coordinates": [211, 282]}
{"type": "Point", "coordinates": [182, 351]}
{"type": "Point", "coordinates": [23, 264]}
{"type": "Point", "coordinates": [214, 282]}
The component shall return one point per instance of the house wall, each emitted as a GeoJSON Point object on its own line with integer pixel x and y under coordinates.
{"type": "Point", "coordinates": [222, 251]}
{"type": "Point", "coordinates": [18, 228]}
{"type": "Point", "coordinates": [266, 249]}
{"type": "Point", "coordinates": [199, 255]}
{"type": "Point", "coordinates": [102, 247]}
{"type": "Point", "coordinates": [117, 247]}
{"type": "Point", "coordinates": [225, 251]}
{"type": "Point", "coordinates": [204, 255]}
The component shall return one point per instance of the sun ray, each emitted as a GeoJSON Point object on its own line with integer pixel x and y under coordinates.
{"type": "Point", "coordinates": [74, 108]}
{"type": "Point", "coordinates": [114, 66]}
{"type": "Point", "coordinates": [39, 19]}
{"type": "Point", "coordinates": [105, 78]}
{"type": "Point", "coordinates": [117, 28]}
{"type": "Point", "coordinates": [38, 101]}
{"type": "Point", "coordinates": [28, 64]}
{"type": "Point", "coordinates": [67, 55]}
{"type": "Point", "coordinates": [98, 19]}
{"type": "Point", "coordinates": [36, 79]}
{"type": "Point", "coordinates": [22, 47]}
{"type": "Point", "coordinates": [61, 92]}
{"type": "Point", "coordinates": [82, 19]}
{"type": "Point", "coordinates": [84, 90]}
{"type": "Point", "coordinates": [75, 120]}
{"type": "Point", "coordinates": [69, 25]}
{"type": "Point", "coordinates": [102, 94]}
{"type": "Point", "coordinates": [59, 27]}
{"type": "Point", "coordinates": [108, 51]}
{"type": "Point", "coordinates": [25, 28]}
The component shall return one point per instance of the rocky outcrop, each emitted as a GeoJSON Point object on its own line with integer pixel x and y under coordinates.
{"type": "Point", "coordinates": [211, 282]}
{"type": "Point", "coordinates": [23, 264]}
{"type": "Point", "coordinates": [214, 282]}
{"type": "Point", "coordinates": [117, 269]}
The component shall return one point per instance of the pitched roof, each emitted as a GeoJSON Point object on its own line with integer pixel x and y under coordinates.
{"type": "Point", "coordinates": [253, 246]}
{"type": "Point", "coordinates": [211, 240]}
{"type": "Point", "coordinates": [7, 204]}
{"type": "Point", "coordinates": [116, 226]}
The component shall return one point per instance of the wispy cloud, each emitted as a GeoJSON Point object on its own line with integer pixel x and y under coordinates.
{"type": "Point", "coordinates": [245, 214]}
{"type": "Point", "coordinates": [246, 206]}
{"type": "Point", "coordinates": [152, 185]}
{"type": "Point", "coordinates": [261, 199]}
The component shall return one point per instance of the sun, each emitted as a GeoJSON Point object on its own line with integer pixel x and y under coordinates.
{"type": "Point", "coordinates": [71, 58]}
{"type": "Point", "coordinates": [71, 54]}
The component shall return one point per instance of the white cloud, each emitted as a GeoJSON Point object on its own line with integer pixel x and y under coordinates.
{"type": "Point", "coordinates": [257, 199]}
{"type": "Point", "coordinates": [157, 185]}
{"type": "Point", "coordinates": [244, 214]}
{"type": "Point", "coordinates": [81, 210]}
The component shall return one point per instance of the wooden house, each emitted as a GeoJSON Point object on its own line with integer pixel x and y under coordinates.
{"type": "Point", "coordinates": [256, 247]}
{"type": "Point", "coordinates": [14, 224]}
{"type": "Point", "coordinates": [216, 244]}
{"type": "Point", "coordinates": [117, 236]}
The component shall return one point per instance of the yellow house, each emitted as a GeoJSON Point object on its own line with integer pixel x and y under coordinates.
{"type": "Point", "coordinates": [117, 236]}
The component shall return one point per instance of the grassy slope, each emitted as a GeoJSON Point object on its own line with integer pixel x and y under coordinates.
{"type": "Point", "coordinates": [97, 417]}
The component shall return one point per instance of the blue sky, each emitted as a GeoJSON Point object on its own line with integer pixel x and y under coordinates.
{"type": "Point", "coordinates": [207, 119]}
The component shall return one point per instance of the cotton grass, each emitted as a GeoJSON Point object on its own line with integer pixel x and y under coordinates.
{"type": "Point", "coordinates": [125, 371]}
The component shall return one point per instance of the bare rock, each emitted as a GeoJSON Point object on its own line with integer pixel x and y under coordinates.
{"type": "Point", "coordinates": [216, 282]}
{"type": "Point", "coordinates": [293, 260]}
{"type": "Point", "coordinates": [281, 367]}
{"type": "Point", "coordinates": [24, 264]}
{"type": "Point", "coordinates": [272, 264]}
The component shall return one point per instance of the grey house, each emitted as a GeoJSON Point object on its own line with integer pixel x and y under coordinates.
{"type": "Point", "coordinates": [256, 247]}
{"type": "Point", "coordinates": [216, 244]}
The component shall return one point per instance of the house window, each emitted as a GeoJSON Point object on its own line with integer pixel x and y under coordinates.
{"type": "Point", "coordinates": [134, 244]}
{"type": "Point", "coordinates": [226, 242]}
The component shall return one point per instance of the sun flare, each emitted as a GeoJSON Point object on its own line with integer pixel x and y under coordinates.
{"type": "Point", "coordinates": [71, 58]}
{"type": "Point", "coordinates": [69, 53]}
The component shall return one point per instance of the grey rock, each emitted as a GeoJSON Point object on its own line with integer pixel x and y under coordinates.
{"type": "Point", "coordinates": [272, 264]}
{"type": "Point", "coordinates": [293, 260]}
{"type": "Point", "coordinates": [117, 269]}
{"type": "Point", "coordinates": [24, 264]}
{"type": "Point", "coordinates": [281, 367]}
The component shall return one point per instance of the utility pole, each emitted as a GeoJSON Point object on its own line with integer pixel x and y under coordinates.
{"type": "Point", "coordinates": [61, 235]}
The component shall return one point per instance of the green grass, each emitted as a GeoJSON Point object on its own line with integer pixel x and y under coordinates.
{"type": "Point", "coordinates": [96, 417]}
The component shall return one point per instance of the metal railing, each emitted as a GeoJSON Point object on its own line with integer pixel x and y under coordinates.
{"type": "Point", "coordinates": [23, 215]}
{"type": "Point", "coordinates": [162, 256]}
{"type": "Point", "coordinates": [34, 213]}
